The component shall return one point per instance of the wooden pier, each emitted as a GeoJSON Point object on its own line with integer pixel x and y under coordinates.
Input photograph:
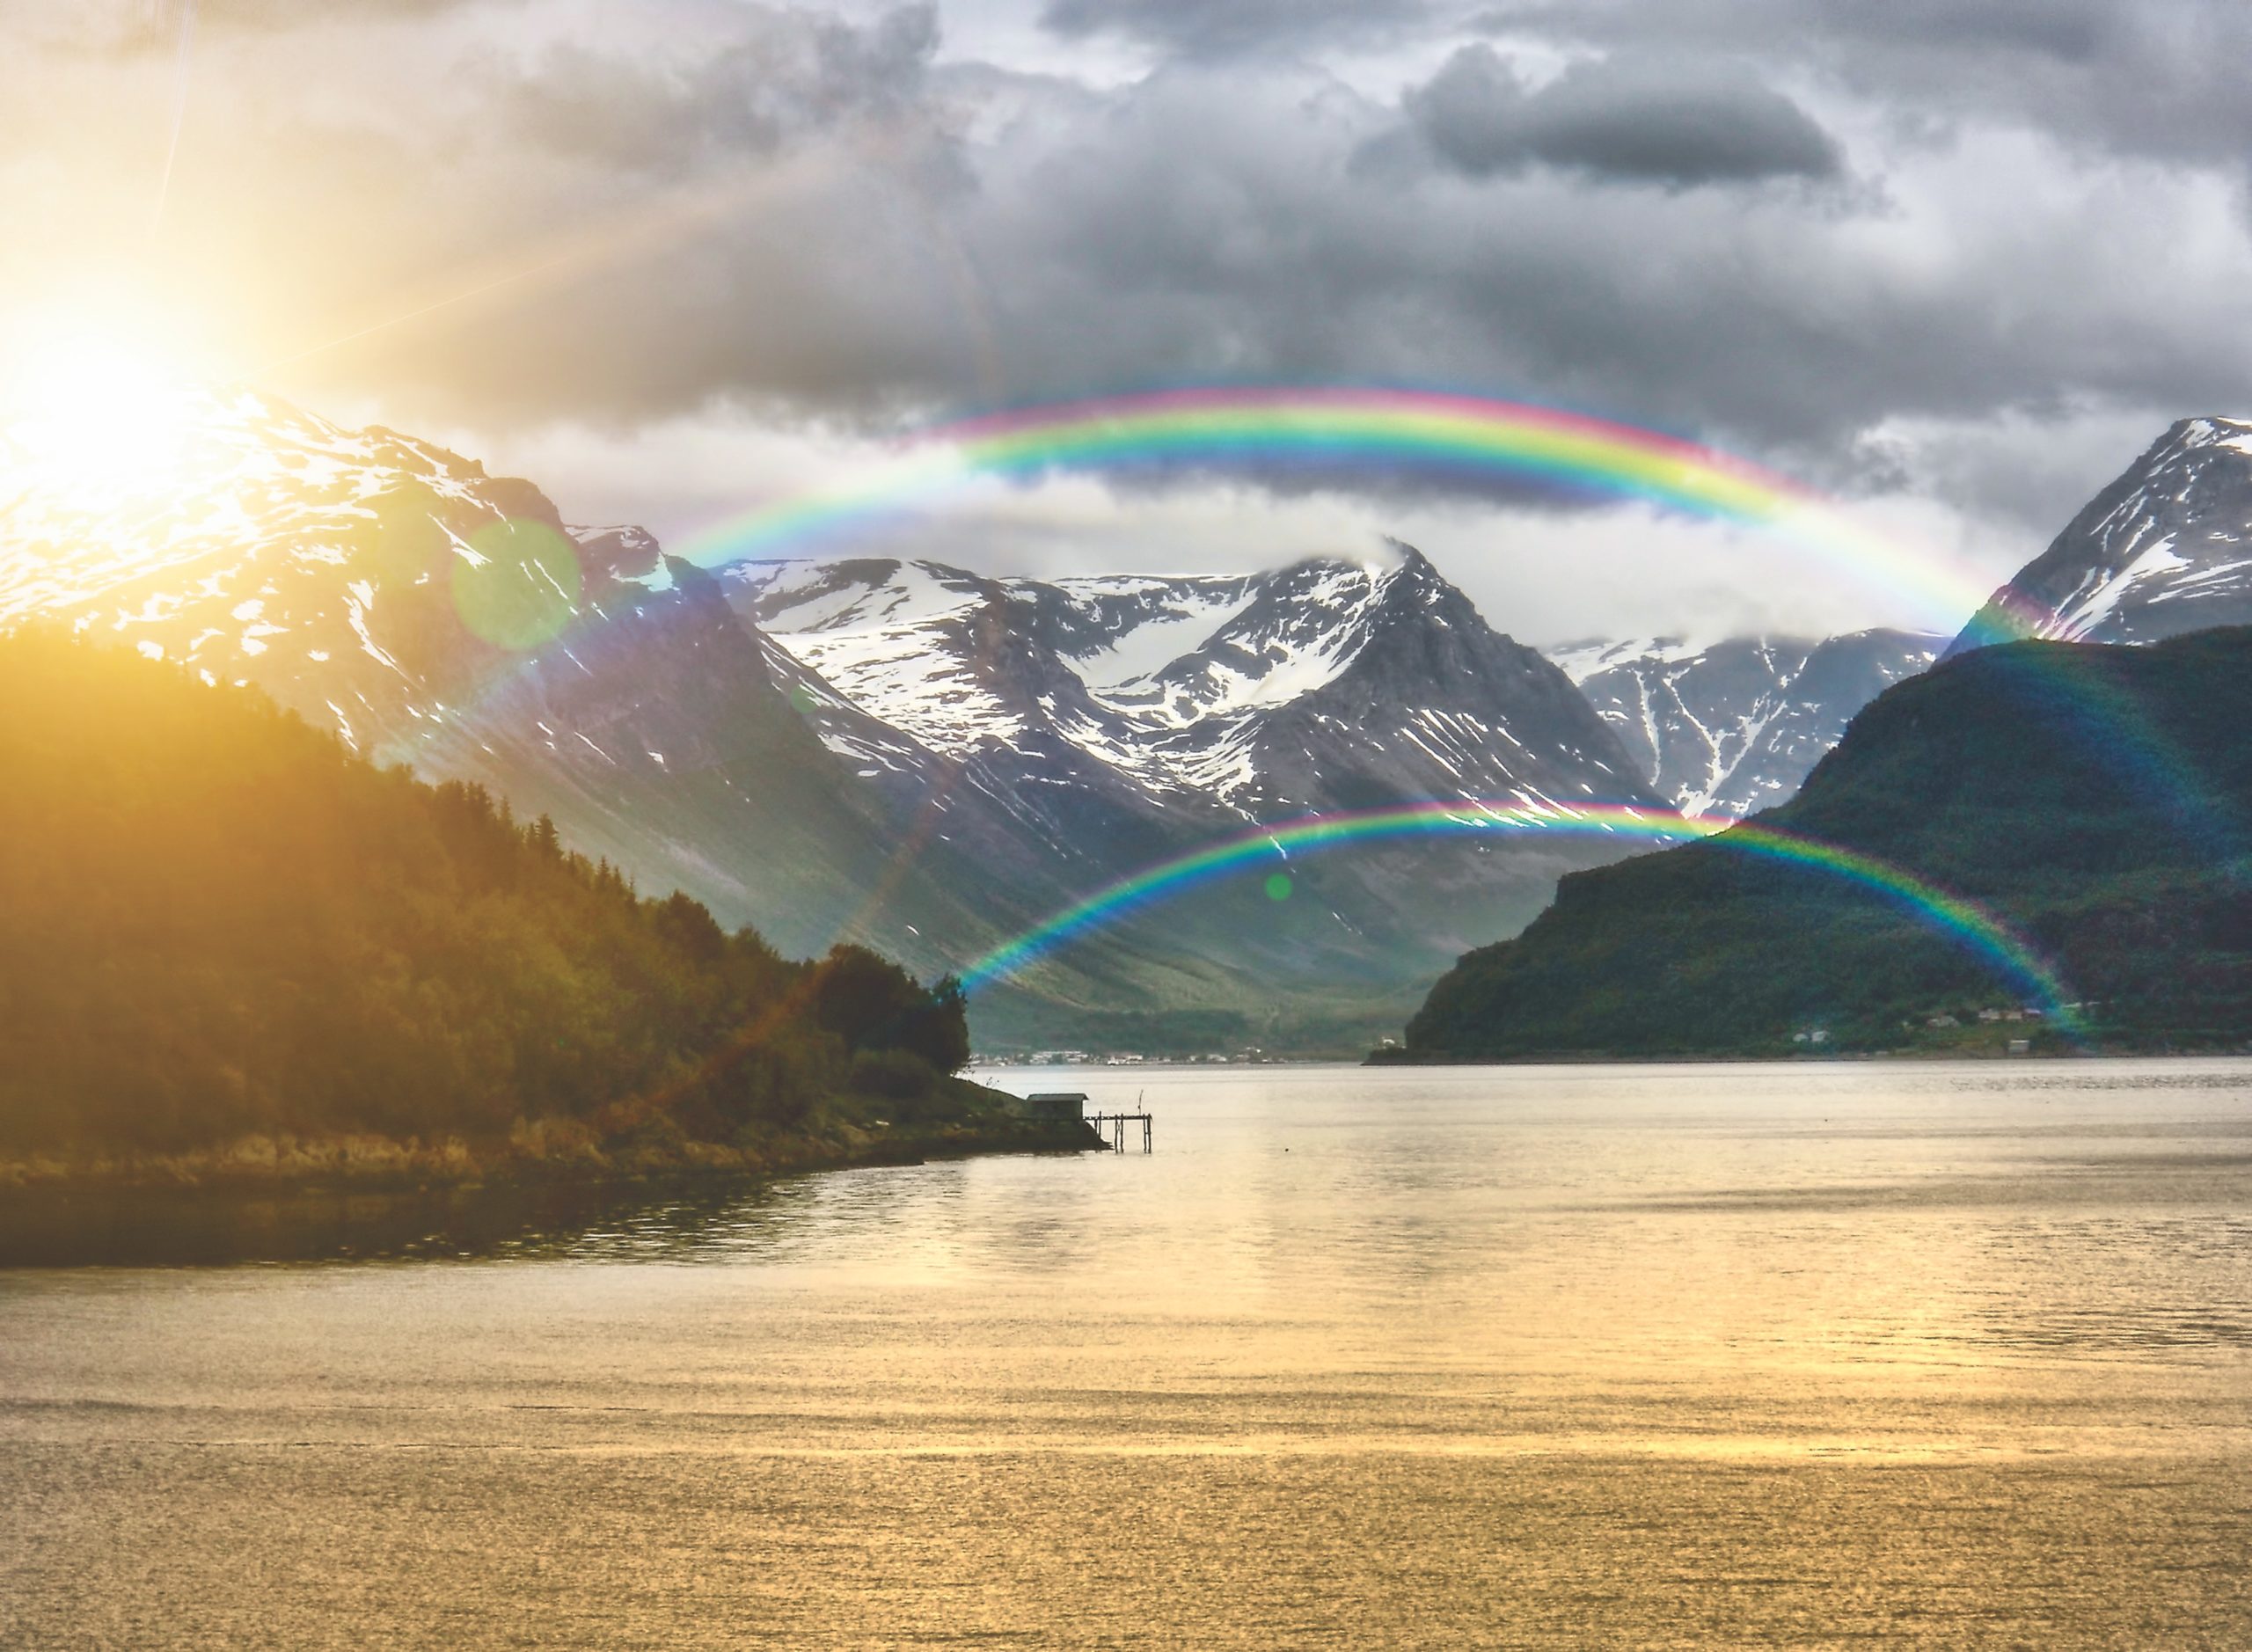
{"type": "Point", "coordinates": [1113, 1125]}
{"type": "Point", "coordinates": [1061, 1106]}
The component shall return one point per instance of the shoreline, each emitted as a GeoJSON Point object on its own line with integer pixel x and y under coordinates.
{"type": "Point", "coordinates": [286, 1197]}
{"type": "Point", "coordinates": [358, 1162]}
{"type": "Point", "coordinates": [1982, 1053]}
{"type": "Point", "coordinates": [842, 1133]}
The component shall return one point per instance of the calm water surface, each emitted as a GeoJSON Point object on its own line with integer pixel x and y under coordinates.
{"type": "Point", "coordinates": [1811, 1354]}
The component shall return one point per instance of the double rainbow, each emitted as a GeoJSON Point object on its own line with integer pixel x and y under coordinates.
{"type": "Point", "coordinates": [1334, 431]}
{"type": "Point", "coordinates": [2012, 959]}
{"type": "Point", "coordinates": [1338, 430]}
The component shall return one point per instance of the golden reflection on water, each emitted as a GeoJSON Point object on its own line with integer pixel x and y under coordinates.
{"type": "Point", "coordinates": [1652, 1355]}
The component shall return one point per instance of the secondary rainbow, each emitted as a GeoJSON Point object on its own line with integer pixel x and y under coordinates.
{"type": "Point", "coordinates": [1334, 430]}
{"type": "Point", "coordinates": [1978, 931]}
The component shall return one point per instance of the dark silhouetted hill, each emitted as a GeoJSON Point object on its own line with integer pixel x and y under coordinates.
{"type": "Point", "coordinates": [2092, 799]}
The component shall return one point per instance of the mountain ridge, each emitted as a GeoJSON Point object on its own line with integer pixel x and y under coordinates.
{"type": "Point", "coordinates": [2164, 548]}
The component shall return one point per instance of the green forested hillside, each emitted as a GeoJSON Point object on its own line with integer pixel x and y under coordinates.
{"type": "Point", "coordinates": [2094, 799]}
{"type": "Point", "coordinates": [215, 921]}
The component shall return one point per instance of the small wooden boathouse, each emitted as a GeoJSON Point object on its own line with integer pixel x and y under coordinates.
{"type": "Point", "coordinates": [1062, 1107]}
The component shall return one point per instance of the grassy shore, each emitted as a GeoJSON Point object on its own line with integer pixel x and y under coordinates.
{"type": "Point", "coordinates": [542, 1189]}
{"type": "Point", "coordinates": [961, 1120]}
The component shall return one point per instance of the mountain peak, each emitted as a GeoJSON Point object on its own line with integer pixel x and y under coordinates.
{"type": "Point", "coordinates": [1410, 562]}
{"type": "Point", "coordinates": [2165, 548]}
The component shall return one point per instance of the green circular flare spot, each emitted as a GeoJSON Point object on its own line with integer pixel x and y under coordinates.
{"type": "Point", "coordinates": [403, 541]}
{"type": "Point", "coordinates": [522, 587]}
{"type": "Point", "coordinates": [1278, 886]}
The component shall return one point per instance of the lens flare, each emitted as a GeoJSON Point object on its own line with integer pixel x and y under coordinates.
{"type": "Point", "coordinates": [94, 418]}
{"type": "Point", "coordinates": [516, 584]}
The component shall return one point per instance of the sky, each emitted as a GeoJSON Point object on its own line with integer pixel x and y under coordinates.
{"type": "Point", "coordinates": [1953, 262]}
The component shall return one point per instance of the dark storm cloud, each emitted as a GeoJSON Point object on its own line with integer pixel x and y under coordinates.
{"type": "Point", "coordinates": [1632, 118]}
{"type": "Point", "coordinates": [2078, 30]}
{"type": "Point", "coordinates": [1219, 28]}
{"type": "Point", "coordinates": [2157, 78]}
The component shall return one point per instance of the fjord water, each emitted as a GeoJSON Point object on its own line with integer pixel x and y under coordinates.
{"type": "Point", "coordinates": [1951, 1354]}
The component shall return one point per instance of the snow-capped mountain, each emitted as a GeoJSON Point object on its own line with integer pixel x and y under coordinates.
{"type": "Point", "coordinates": [1124, 719]}
{"type": "Point", "coordinates": [437, 616]}
{"type": "Point", "coordinates": [1310, 687]}
{"type": "Point", "coordinates": [1734, 728]}
{"type": "Point", "coordinates": [2167, 548]}
{"type": "Point", "coordinates": [910, 754]}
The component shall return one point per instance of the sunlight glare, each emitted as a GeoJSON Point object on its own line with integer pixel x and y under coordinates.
{"type": "Point", "coordinates": [94, 414]}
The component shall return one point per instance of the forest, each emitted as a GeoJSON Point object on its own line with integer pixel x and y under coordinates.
{"type": "Point", "coordinates": [216, 921]}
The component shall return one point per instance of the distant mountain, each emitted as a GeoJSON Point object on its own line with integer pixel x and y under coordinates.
{"type": "Point", "coordinates": [2094, 799]}
{"type": "Point", "coordinates": [1734, 727]}
{"type": "Point", "coordinates": [1325, 685]}
{"type": "Point", "coordinates": [910, 755]}
{"type": "Point", "coordinates": [1126, 718]}
{"type": "Point", "coordinates": [2165, 549]}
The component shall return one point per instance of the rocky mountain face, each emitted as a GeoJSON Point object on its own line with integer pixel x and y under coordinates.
{"type": "Point", "coordinates": [916, 755]}
{"type": "Point", "coordinates": [1324, 686]}
{"type": "Point", "coordinates": [2165, 549]}
{"type": "Point", "coordinates": [1734, 728]}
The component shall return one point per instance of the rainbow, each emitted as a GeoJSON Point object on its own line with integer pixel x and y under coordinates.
{"type": "Point", "coordinates": [1331, 427]}
{"type": "Point", "coordinates": [1978, 931]}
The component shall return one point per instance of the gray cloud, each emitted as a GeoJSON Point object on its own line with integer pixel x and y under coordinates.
{"type": "Point", "coordinates": [789, 76]}
{"type": "Point", "coordinates": [494, 221]}
{"type": "Point", "coordinates": [1222, 28]}
{"type": "Point", "coordinates": [2157, 78]}
{"type": "Point", "coordinates": [1634, 118]}
{"type": "Point", "coordinates": [1213, 225]}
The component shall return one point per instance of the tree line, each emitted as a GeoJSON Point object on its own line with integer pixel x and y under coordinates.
{"type": "Point", "coordinates": [216, 920]}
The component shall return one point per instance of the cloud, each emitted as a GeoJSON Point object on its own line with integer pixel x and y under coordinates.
{"type": "Point", "coordinates": [789, 74]}
{"type": "Point", "coordinates": [1629, 118]}
{"type": "Point", "coordinates": [850, 245]}
{"type": "Point", "coordinates": [1796, 234]}
{"type": "Point", "coordinates": [1213, 225]}
{"type": "Point", "coordinates": [1232, 29]}
{"type": "Point", "coordinates": [128, 26]}
{"type": "Point", "coordinates": [2152, 78]}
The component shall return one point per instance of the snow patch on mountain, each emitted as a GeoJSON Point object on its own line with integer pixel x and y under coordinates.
{"type": "Point", "coordinates": [1173, 688]}
{"type": "Point", "coordinates": [1734, 727]}
{"type": "Point", "coordinates": [1580, 661]}
{"type": "Point", "coordinates": [1158, 621]}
